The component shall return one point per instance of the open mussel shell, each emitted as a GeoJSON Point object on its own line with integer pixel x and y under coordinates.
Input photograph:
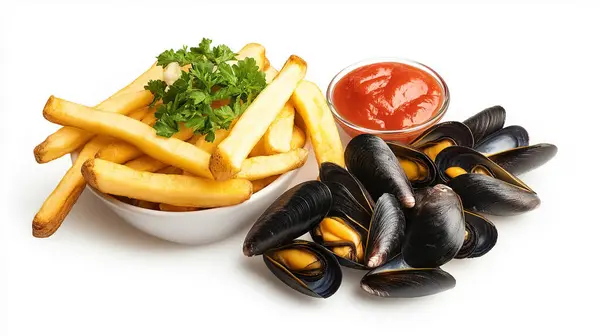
{"type": "Point", "coordinates": [386, 232]}
{"type": "Point", "coordinates": [488, 195]}
{"type": "Point", "coordinates": [481, 236]}
{"type": "Point", "coordinates": [442, 135]}
{"type": "Point", "coordinates": [521, 160]}
{"type": "Point", "coordinates": [344, 238]}
{"type": "Point", "coordinates": [504, 139]}
{"type": "Point", "coordinates": [419, 168]}
{"type": "Point", "coordinates": [306, 267]}
{"type": "Point", "coordinates": [397, 279]}
{"type": "Point", "coordinates": [293, 214]}
{"type": "Point", "coordinates": [331, 172]}
{"type": "Point", "coordinates": [472, 161]}
{"type": "Point", "coordinates": [437, 229]}
{"type": "Point", "coordinates": [373, 163]}
{"type": "Point", "coordinates": [486, 122]}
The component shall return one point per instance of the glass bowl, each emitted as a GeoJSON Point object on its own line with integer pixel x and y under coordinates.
{"type": "Point", "coordinates": [404, 135]}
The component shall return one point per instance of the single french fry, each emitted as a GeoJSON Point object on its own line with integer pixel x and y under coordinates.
{"type": "Point", "coordinates": [259, 167]}
{"type": "Point", "coordinates": [298, 138]}
{"type": "Point", "coordinates": [60, 202]}
{"type": "Point", "coordinates": [120, 151]}
{"type": "Point", "coordinates": [146, 163]}
{"type": "Point", "coordinates": [172, 151]}
{"type": "Point", "coordinates": [175, 208]}
{"type": "Point", "coordinates": [210, 147]}
{"type": "Point", "coordinates": [139, 114]}
{"type": "Point", "coordinates": [115, 179]}
{"type": "Point", "coordinates": [278, 136]}
{"type": "Point", "coordinates": [227, 159]}
{"type": "Point", "coordinates": [270, 73]}
{"type": "Point", "coordinates": [126, 100]}
{"type": "Point", "coordinates": [258, 149]}
{"type": "Point", "coordinates": [258, 185]}
{"type": "Point", "coordinates": [312, 107]}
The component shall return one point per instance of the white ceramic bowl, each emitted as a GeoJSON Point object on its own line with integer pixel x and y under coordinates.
{"type": "Point", "coordinates": [202, 226]}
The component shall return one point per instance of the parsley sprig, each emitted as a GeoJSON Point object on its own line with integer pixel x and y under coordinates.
{"type": "Point", "coordinates": [210, 95]}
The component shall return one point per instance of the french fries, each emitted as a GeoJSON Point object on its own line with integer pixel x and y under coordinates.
{"type": "Point", "coordinates": [320, 124]}
{"type": "Point", "coordinates": [259, 185]}
{"type": "Point", "coordinates": [227, 159]}
{"type": "Point", "coordinates": [126, 100]}
{"type": "Point", "coordinates": [278, 136]}
{"type": "Point", "coordinates": [298, 138]}
{"type": "Point", "coordinates": [56, 207]}
{"type": "Point", "coordinates": [260, 167]}
{"type": "Point", "coordinates": [180, 190]}
{"type": "Point", "coordinates": [120, 153]}
{"type": "Point", "coordinates": [169, 150]}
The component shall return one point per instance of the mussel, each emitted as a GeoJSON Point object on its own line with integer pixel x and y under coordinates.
{"type": "Point", "coordinates": [471, 161]}
{"type": "Point", "coordinates": [346, 205]}
{"type": "Point", "coordinates": [486, 122]}
{"type": "Point", "coordinates": [504, 139]}
{"type": "Point", "coordinates": [386, 232]}
{"type": "Point", "coordinates": [419, 168]}
{"type": "Point", "coordinates": [293, 214]}
{"type": "Point", "coordinates": [480, 236]}
{"type": "Point", "coordinates": [373, 163]}
{"type": "Point", "coordinates": [331, 172]}
{"type": "Point", "coordinates": [437, 229]}
{"type": "Point", "coordinates": [482, 185]}
{"type": "Point", "coordinates": [397, 279]}
{"type": "Point", "coordinates": [521, 160]}
{"type": "Point", "coordinates": [364, 246]}
{"type": "Point", "coordinates": [489, 195]}
{"type": "Point", "coordinates": [442, 135]}
{"type": "Point", "coordinates": [306, 267]}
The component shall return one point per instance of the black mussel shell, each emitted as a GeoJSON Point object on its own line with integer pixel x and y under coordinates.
{"type": "Point", "coordinates": [486, 122]}
{"type": "Point", "coordinates": [521, 160]}
{"type": "Point", "coordinates": [455, 131]}
{"type": "Point", "coordinates": [469, 160]}
{"type": "Point", "coordinates": [486, 233]}
{"type": "Point", "coordinates": [293, 214]}
{"type": "Point", "coordinates": [416, 159]}
{"type": "Point", "coordinates": [374, 164]}
{"type": "Point", "coordinates": [485, 194]}
{"type": "Point", "coordinates": [346, 206]}
{"type": "Point", "coordinates": [319, 279]}
{"type": "Point", "coordinates": [437, 230]}
{"type": "Point", "coordinates": [397, 279]}
{"type": "Point", "coordinates": [317, 237]}
{"type": "Point", "coordinates": [470, 242]}
{"type": "Point", "coordinates": [386, 232]}
{"type": "Point", "coordinates": [331, 172]}
{"type": "Point", "coordinates": [504, 139]}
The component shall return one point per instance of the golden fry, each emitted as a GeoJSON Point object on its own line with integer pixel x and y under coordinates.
{"type": "Point", "coordinates": [278, 136]}
{"type": "Point", "coordinates": [298, 138]}
{"type": "Point", "coordinates": [60, 202]}
{"type": "Point", "coordinates": [259, 167]}
{"type": "Point", "coordinates": [259, 185]}
{"type": "Point", "coordinates": [230, 154]}
{"type": "Point", "coordinates": [181, 190]}
{"type": "Point", "coordinates": [172, 151]}
{"type": "Point", "coordinates": [126, 100]}
{"type": "Point", "coordinates": [324, 136]}
{"type": "Point", "coordinates": [146, 163]}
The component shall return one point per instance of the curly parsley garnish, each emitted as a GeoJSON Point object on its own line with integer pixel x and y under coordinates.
{"type": "Point", "coordinates": [210, 95]}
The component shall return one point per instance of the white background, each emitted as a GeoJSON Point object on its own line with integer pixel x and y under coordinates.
{"type": "Point", "coordinates": [98, 276]}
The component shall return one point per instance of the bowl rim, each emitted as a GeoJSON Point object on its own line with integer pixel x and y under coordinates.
{"type": "Point", "coordinates": [408, 130]}
{"type": "Point", "coordinates": [253, 198]}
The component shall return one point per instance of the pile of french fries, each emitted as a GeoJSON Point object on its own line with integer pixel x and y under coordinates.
{"type": "Point", "coordinates": [120, 154]}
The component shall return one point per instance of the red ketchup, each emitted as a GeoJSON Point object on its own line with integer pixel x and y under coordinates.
{"type": "Point", "coordinates": [387, 96]}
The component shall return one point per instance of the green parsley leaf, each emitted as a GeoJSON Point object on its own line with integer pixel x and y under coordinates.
{"type": "Point", "coordinates": [191, 99]}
